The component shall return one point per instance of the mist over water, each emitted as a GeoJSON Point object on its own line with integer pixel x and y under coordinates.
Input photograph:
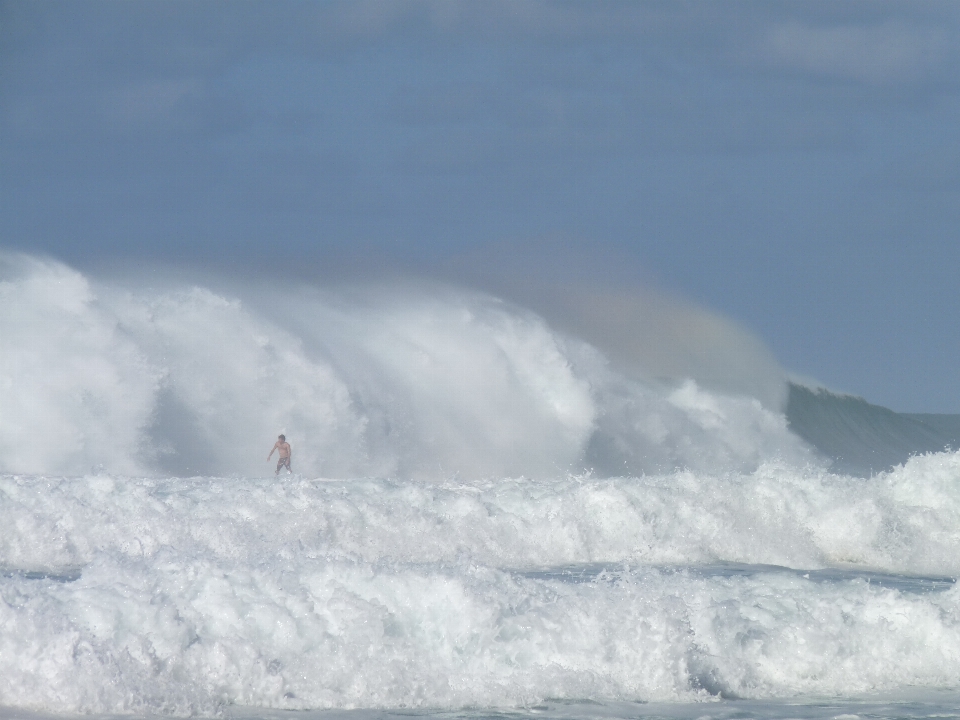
{"type": "Point", "coordinates": [490, 510]}
{"type": "Point", "coordinates": [426, 381]}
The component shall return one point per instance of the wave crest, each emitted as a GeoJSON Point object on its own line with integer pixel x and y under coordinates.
{"type": "Point", "coordinates": [374, 380]}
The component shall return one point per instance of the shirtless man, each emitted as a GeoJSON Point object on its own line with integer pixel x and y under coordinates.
{"type": "Point", "coordinates": [283, 447]}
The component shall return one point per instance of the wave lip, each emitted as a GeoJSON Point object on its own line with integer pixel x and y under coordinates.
{"type": "Point", "coordinates": [863, 439]}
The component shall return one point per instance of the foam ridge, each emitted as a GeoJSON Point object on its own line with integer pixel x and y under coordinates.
{"type": "Point", "coordinates": [184, 596]}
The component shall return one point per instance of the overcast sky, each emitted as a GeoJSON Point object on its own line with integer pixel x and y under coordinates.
{"type": "Point", "coordinates": [795, 166]}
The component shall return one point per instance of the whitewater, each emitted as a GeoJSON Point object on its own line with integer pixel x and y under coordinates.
{"type": "Point", "coordinates": [487, 518]}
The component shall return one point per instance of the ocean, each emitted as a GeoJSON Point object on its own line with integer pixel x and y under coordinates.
{"type": "Point", "coordinates": [486, 519]}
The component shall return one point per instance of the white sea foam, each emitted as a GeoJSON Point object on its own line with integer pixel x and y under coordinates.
{"type": "Point", "coordinates": [181, 595]}
{"type": "Point", "coordinates": [511, 521]}
{"type": "Point", "coordinates": [191, 636]}
{"type": "Point", "coordinates": [907, 521]}
{"type": "Point", "coordinates": [385, 381]}
{"type": "Point", "coordinates": [74, 392]}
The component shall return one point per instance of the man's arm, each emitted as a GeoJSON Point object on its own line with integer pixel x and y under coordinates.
{"type": "Point", "coordinates": [272, 449]}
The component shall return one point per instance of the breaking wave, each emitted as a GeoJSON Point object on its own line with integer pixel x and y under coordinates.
{"type": "Point", "coordinates": [486, 513]}
{"type": "Point", "coordinates": [186, 596]}
{"type": "Point", "coordinates": [364, 381]}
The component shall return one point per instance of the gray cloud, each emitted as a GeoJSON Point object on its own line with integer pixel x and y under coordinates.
{"type": "Point", "coordinates": [937, 171]}
{"type": "Point", "coordinates": [152, 101]}
{"type": "Point", "coordinates": [746, 153]}
{"type": "Point", "coordinates": [889, 52]}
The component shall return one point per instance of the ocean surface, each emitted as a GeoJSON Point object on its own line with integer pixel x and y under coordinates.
{"type": "Point", "coordinates": [486, 520]}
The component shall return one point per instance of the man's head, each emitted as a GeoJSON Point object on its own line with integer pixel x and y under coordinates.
{"type": "Point", "coordinates": [283, 438]}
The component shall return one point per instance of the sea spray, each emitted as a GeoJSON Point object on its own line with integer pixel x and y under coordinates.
{"type": "Point", "coordinates": [907, 521]}
{"type": "Point", "coordinates": [365, 381]}
{"type": "Point", "coordinates": [184, 595]}
{"type": "Point", "coordinates": [485, 514]}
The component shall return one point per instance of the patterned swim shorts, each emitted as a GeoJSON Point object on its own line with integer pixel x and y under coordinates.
{"type": "Point", "coordinates": [283, 462]}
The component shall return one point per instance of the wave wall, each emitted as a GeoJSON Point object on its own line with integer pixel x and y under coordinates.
{"type": "Point", "coordinates": [388, 380]}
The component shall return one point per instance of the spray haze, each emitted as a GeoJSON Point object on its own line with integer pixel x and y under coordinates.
{"type": "Point", "coordinates": [389, 378]}
{"type": "Point", "coordinates": [597, 292]}
{"type": "Point", "coordinates": [650, 334]}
